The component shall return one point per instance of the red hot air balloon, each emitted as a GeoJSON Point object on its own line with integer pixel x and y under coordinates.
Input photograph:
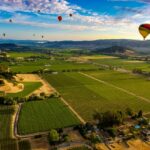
{"type": "Point", "coordinates": [59, 18]}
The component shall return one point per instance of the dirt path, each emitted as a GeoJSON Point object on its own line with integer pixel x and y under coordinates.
{"type": "Point", "coordinates": [66, 103]}
{"type": "Point", "coordinates": [114, 86]}
{"type": "Point", "coordinates": [77, 115]}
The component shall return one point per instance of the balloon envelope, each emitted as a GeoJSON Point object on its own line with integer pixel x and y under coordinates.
{"type": "Point", "coordinates": [70, 15]}
{"type": "Point", "coordinates": [10, 20]}
{"type": "Point", "coordinates": [59, 18]}
{"type": "Point", "coordinates": [144, 30]}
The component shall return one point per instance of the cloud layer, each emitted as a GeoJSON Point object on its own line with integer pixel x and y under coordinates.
{"type": "Point", "coordinates": [25, 12]}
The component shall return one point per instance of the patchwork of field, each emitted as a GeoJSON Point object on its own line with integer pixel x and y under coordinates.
{"type": "Point", "coordinates": [87, 95]}
{"type": "Point", "coordinates": [47, 64]}
{"type": "Point", "coordinates": [6, 141]}
{"type": "Point", "coordinates": [45, 115]}
{"type": "Point", "coordinates": [124, 63]}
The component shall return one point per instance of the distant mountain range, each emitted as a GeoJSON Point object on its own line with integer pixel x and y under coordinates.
{"type": "Point", "coordinates": [137, 45]}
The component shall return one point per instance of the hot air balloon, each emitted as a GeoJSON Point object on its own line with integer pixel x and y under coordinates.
{"type": "Point", "coordinates": [144, 30]}
{"type": "Point", "coordinates": [59, 18]}
{"type": "Point", "coordinates": [42, 36]}
{"type": "Point", "coordinates": [10, 20]}
{"type": "Point", "coordinates": [4, 34]}
{"type": "Point", "coordinates": [70, 15]}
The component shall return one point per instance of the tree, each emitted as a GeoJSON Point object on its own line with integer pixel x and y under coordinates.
{"type": "Point", "coordinates": [108, 118]}
{"type": "Point", "coordinates": [140, 114]}
{"type": "Point", "coordinates": [129, 112]}
{"type": "Point", "coordinates": [53, 136]}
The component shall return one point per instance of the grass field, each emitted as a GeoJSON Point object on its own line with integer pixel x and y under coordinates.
{"type": "Point", "coordinates": [29, 87]}
{"type": "Point", "coordinates": [6, 141]}
{"type": "Point", "coordinates": [86, 95]}
{"type": "Point", "coordinates": [124, 63]}
{"type": "Point", "coordinates": [97, 57]}
{"type": "Point", "coordinates": [55, 65]}
{"type": "Point", "coordinates": [23, 54]}
{"type": "Point", "coordinates": [45, 115]}
{"type": "Point", "coordinates": [134, 83]}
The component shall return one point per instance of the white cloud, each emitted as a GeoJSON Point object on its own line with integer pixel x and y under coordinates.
{"type": "Point", "coordinates": [87, 20]}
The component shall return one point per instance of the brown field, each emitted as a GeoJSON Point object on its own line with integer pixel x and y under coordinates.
{"type": "Point", "coordinates": [101, 146]}
{"type": "Point", "coordinates": [45, 88]}
{"type": "Point", "coordinates": [138, 145]}
{"type": "Point", "coordinates": [9, 87]}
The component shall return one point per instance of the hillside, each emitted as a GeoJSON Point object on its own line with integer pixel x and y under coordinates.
{"type": "Point", "coordinates": [118, 50]}
{"type": "Point", "coordinates": [138, 45]}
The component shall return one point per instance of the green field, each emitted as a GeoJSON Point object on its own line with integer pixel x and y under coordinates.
{"type": "Point", "coordinates": [86, 95]}
{"type": "Point", "coordinates": [55, 65]}
{"type": "Point", "coordinates": [124, 63]}
{"type": "Point", "coordinates": [44, 115]}
{"type": "Point", "coordinates": [133, 83]}
{"type": "Point", "coordinates": [6, 141]}
{"type": "Point", "coordinates": [23, 54]}
{"type": "Point", "coordinates": [29, 87]}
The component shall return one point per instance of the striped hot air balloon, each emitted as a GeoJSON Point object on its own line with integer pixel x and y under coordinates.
{"type": "Point", "coordinates": [144, 30]}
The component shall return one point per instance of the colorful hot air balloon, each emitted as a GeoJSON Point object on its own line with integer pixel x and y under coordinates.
{"type": "Point", "coordinates": [59, 18]}
{"type": "Point", "coordinates": [144, 30]}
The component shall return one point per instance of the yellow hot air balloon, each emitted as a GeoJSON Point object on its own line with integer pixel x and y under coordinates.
{"type": "Point", "coordinates": [144, 30]}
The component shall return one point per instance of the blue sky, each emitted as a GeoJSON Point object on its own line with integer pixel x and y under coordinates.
{"type": "Point", "coordinates": [92, 19]}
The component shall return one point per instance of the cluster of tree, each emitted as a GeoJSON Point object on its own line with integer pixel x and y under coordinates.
{"type": "Point", "coordinates": [1, 82]}
{"type": "Point", "coordinates": [5, 73]}
{"type": "Point", "coordinates": [57, 136]}
{"type": "Point", "coordinates": [141, 72]}
{"type": "Point", "coordinates": [41, 71]}
{"type": "Point", "coordinates": [4, 100]}
{"type": "Point", "coordinates": [108, 121]}
{"type": "Point", "coordinates": [133, 114]}
{"type": "Point", "coordinates": [3, 56]}
{"type": "Point", "coordinates": [88, 131]}
{"type": "Point", "coordinates": [108, 118]}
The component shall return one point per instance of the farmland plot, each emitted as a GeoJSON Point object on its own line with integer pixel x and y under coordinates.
{"type": "Point", "coordinates": [6, 140]}
{"type": "Point", "coordinates": [86, 95]}
{"type": "Point", "coordinates": [45, 115]}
